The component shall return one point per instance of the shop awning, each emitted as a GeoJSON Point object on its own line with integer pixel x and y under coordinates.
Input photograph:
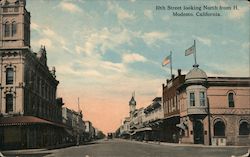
{"type": "Point", "coordinates": [181, 125]}
{"type": "Point", "coordinates": [144, 129]}
{"type": "Point", "coordinates": [69, 132]}
{"type": "Point", "coordinates": [26, 120]}
{"type": "Point", "coordinates": [124, 133]}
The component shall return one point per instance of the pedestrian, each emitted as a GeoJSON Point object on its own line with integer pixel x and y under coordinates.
{"type": "Point", "coordinates": [174, 137]}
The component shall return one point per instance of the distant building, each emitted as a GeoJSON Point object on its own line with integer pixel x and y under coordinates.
{"type": "Point", "coordinates": [135, 122]}
{"type": "Point", "coordinates": [143, 123]}
{"type": "Point", "coordinates": [89, 131]}
{"type": "Point", "coordinates": [31, 113]}
{"type": "Point", "coordinates": [125, 128]}
{"type": "Point", "coordinates": [152, 121]}
{"type": "Point", "coordinates": [75, 126]}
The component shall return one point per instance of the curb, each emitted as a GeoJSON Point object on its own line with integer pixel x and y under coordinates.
{"type": "Point", "coordinates": [183, 145]}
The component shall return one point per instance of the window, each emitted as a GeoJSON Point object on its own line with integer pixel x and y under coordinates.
{"type": "Point", "coordinates": [219, 129]}
{"type": "Point", "coordinates": [7, 29]}
{"type": "Point", "coordinates": [5, 10]}
{"type": "Point", "coordinates": [14, 29]}
{"type": "Point", "coordinates": [202, 98]}
{"type": "Point", "coordinates": [244, 128]}
{"type": "Point", "coordinates": [231, 99]}
{"type": "Point", "coordinates": [16, 9]}
{"type": "Point", "coordinates": [9, 75]}
{"type": "Point", "coordinates": [192, 99]}
{"type": "Point", "coordinates": [9, 103]}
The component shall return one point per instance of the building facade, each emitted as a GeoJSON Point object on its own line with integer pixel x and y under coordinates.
{"type": "Point", "coordinates": [144, 124]}
{"type": "Point", "coordinates": [89, 131]}
{"type": "Point", "coordinates": [31, 113]}
{"type": "Point", "coordinates": [171, 108]}
{"type": "Point", "coordinates": [74, 133]}
{"type": "Point", "coordinates": [153, 121]}
{"type": "Point", "coordinates": [124, 129]}
{"type": "Point", "coordinates": [214, 110]}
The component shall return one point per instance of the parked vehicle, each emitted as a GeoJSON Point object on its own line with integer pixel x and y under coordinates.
{"type": "Point", "coordinates": [110, 136]}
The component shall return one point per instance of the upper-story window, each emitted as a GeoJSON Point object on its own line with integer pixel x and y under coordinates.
{"type": "Point", "coordinates": [192, 99]}
{"type": "Point", "coordinates": [14, 28]}
{"type": "Point", "coordinates": [7, 29]}
{"type": "Point", "coordinates": [9, 103]}
{"type": "Point", "coordinates": [16, 9]}
{"type": "Point", "coordinates": [9, 75]}
{"type": "Point", "coordinates": [202, 98]}
{"type": "Point", "coordinates": [231, 99]}
{"type": "Point", "coordinates": [5, 10]}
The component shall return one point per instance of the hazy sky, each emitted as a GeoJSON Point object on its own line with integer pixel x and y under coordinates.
{"type": "Point", "coordinates": [105, 50]}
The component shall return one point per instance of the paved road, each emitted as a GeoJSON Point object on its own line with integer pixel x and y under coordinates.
{"type": "Point", "coordinates": [121, 148]}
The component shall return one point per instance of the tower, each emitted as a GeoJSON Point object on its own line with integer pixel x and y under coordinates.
{"type": "Point", "coordinates": [14, 24]}
{"type": "Point", "coordinates": [132, 104]}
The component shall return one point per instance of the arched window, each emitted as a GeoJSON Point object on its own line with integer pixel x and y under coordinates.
{"type": "Point", "coordinates": [231, 99]}
{"type": "Point", "coordinates": [9, 75]}
{"type": "Point", "coordinates": [14, 28]}
{"type": "Point", "coordinates": [244, 128]}
{"type": "Point", "coordinates": [9, 103]}
{"type": "Point", "coordinates": [7, 29]}
{"type": "Point", "coordinates": [219, 128]}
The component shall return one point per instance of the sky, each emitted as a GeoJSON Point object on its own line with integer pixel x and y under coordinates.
{"type": "Point", "coordinates": [103, 51]}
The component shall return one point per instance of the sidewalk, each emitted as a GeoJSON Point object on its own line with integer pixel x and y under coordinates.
{"type": "Point", "coordinates": [42, 151]}
{"type": "Point", "coordinates": [182, 144]}
{"type": "Point", "coordinates": [27, 152]}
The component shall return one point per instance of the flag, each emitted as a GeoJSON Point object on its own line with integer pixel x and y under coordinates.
{"type": "Point", "coordinates": [190, 50]}
{"type": "Point", "coordinates": [166, 61]}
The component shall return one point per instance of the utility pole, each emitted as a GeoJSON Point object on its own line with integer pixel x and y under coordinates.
{"type": "Point", "coordinates": [78, 129]}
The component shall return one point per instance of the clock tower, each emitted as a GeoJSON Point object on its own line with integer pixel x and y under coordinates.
{"type": "Point", "coordinates": [132, 104]}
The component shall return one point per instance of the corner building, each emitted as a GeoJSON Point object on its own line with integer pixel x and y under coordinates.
{"type": "Point", "coordinates": [214, 110]}
{"type": "Point", "coordinates": [30, 113]}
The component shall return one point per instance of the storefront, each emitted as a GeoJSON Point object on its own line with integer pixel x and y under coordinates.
{"type": "Point", "coordinates": [23, 132]}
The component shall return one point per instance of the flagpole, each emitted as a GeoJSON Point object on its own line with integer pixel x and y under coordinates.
{"type": "Point", "coordinates": [195, 62]}
{"type": "Point", "coordinates": [171, 63]}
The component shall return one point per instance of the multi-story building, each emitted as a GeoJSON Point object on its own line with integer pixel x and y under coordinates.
{"type": "Point", "coordinates": [171, 107]}
{"type": "Point", "coordinates": [152, 121]}
{"type": "Point", "coordinates": [214, 110]}
{"type": "Point", "coordinates": [125, 128]}
{"type": "Point", "coordinates": [75, 126]}
{"type": "Point", "coordinates": [31, 114]}
{"type": "Point", "coordinates": [89, 131]}
{"type": "Point", "coordinates": [136, 119]}
{"type": "Point", "coordinates": [143, 124]}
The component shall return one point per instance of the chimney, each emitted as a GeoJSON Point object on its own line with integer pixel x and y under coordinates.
{"type": "Point", "coordinates": [179, 72]}
{"type": "Point", "coordinates": [167, 81]}
{"type": "Point", "coordinates": [53, 72]}
{"type": "Point", "coordinates": [172, 76]}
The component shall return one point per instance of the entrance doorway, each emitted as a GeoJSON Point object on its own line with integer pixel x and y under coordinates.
{"type": "Point", "coordinates": [198, 132]}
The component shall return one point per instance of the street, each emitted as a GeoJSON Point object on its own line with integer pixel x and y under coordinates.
{"type": "Point", "coordinates": [127, 148]}
{"type": "Point", "coordinates": [123, 148]}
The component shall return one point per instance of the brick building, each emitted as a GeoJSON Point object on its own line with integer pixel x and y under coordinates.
{"type": "Point", "coordinates": [214, 110]}
{"type": "Point", "coordinates": [171, 108]}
